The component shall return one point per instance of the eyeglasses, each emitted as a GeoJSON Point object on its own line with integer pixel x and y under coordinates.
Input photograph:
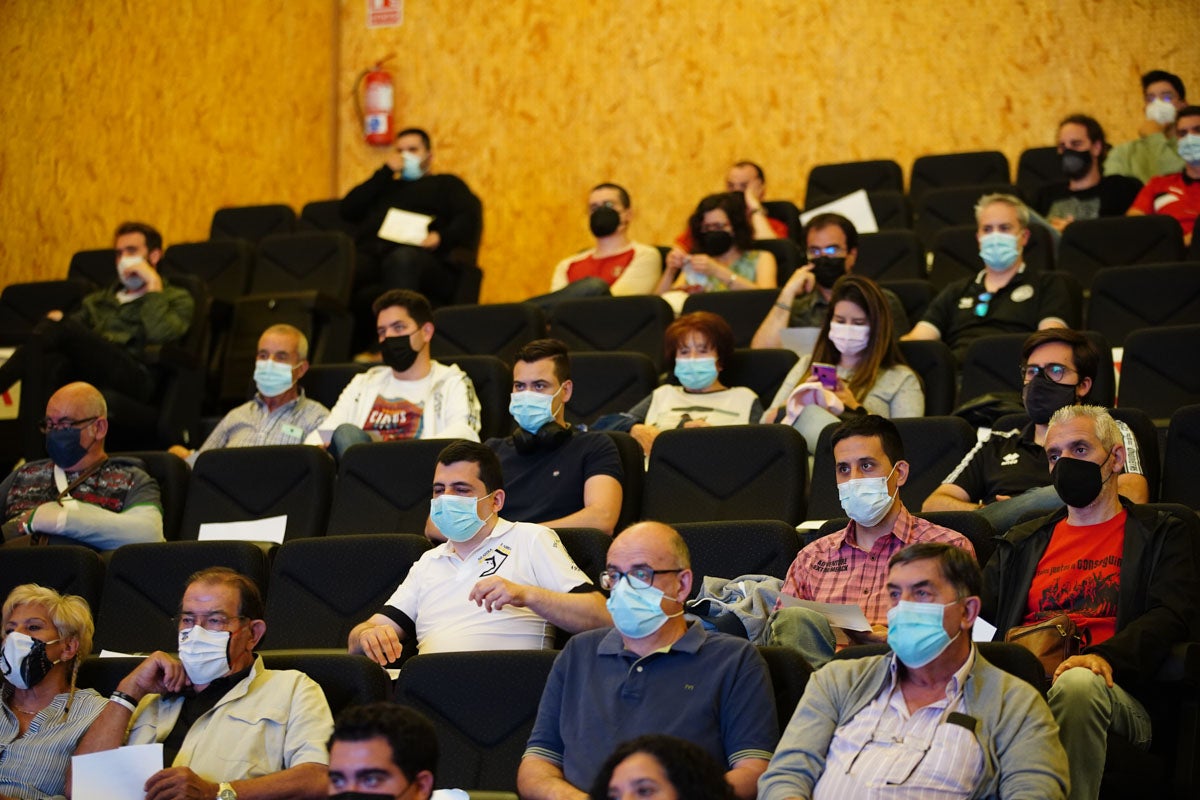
{"type": "Point", "coordinates": [47, 424]}
{"type": "Point", "coordinates": [210, 622]}
{"type": "Point", "coordinates": [982, 303]}
{"type": "Point", "coordinates": [827, 250]}
{"type": "Point", "coordinates": [638, 577]}
{"type": "Point", "coordinates": [1055, 372]}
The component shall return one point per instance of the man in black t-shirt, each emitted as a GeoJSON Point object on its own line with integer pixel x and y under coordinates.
{"type": "Point", "coordinates": [1083, 193]}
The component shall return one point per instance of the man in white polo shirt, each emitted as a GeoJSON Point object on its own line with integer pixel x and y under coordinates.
{"type": "Point", "coordinates": [493, 585]}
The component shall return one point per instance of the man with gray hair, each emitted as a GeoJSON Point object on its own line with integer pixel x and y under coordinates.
{"type": "Point", "coordinates": [79, 495]}
{"type": "Point", "coordinates": [1003, 297]}
{"type": "Point", "coordinates": [279, 412]}
{"type": "Point", "coordinates": [1123, 573]}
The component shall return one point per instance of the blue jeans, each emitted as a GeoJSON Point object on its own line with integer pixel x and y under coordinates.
{"type": "Point", "coordinates": [344, 436]}
{"type": "Point", "coordinates": [1003, 514]}
{"type": "Point", "coordinates": [805, 630]}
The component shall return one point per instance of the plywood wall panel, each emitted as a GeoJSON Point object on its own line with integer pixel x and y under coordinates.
{"type": "Point", "coordinates": [156, 110]}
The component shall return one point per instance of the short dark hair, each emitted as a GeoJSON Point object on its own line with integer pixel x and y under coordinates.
{"type": "Point", "coordinates": [154, 239]}
{"type": "Point", "coordinates": [957, 565]}
{"type": "Point", "coordinates": [417, 132]}
{"type": "Point", "coordinates": [250, 602]}
{"type": "Point", "coordinates": [540, 349]}
{"type": "Point", "coordinates": [1186, 111]}
{"type": "Point", "coordinates": [1095, 132]}
{"type": "Point", "coordinates": [1083, 352]}
{"type": "Point", "coordinates": [413, 302]}
{"type": "Point", "coordinates": [479, 454]}
{"type": "Point", "coordinates": [828, 220]}
{"type": "Point", "coordinates": [412, 737]}
{"type": "Point", "coordinates": [691, 770]}
{"type": "Point", "coordinates": [881, 428]}
{"type": "Point", "coordinates": [712, 327]}
{"type": "Point", "coordinates": [734, 206]}
{"type": "Point", "coordinates": [762, 176]}
{"type": "Point", "coordinates": [1156, 75]}
{"type": "Point", "coordinates": [620, 190]}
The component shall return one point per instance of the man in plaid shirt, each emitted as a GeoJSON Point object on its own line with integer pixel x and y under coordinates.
{"type": "Point", "coordinates": [851, 565]}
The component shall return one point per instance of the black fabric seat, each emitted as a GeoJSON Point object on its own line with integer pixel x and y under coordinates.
{"type": "Point", "coordinates": [492, 379]}
{"type": "Point", "coordinates": [890, 255]}
{"type": "Point", "coordinates": [224, 265]}
{"type": "Point", "coordinates": [761, 371]}
{"type": "Point", "coordinates": [915, 296]}
{"type": "Point", "coordinates": [932, 446]}
{"type": "Point", "coordinates": [247, 483]}
{"type": "Point", "coordinates": [788, 213]}
{"type": "Point", "coordinates": [172, 475]}
{"type": "Point", "coordinates": [633, 478]}
{"type": "Point", "coordinates": [732, 548]}
{"type": "Point", "coordinates": [607, 383]}
{"type": "Point", "coordinates": [957, 169]}
{"type": "Point", "coordinates": [789, 678]}
{"type": "Point", "coordinates": [788, 256]}
{"type": "Point", "coordinates": [496, 329]}
{"type": "Point", "coordinates": [326, 382]}
{"type": "Point", "coordinates": [1037, 167]}
{"type": "Point", "coordinates": [1179, 484]}
{"type": "Point", "coordinates": [1092, 244]}
{"type": "Point", "coordinates": [588, 548]}
{"type": "Point", "coordinates": [385, 487]}
{"type": "Point", "coordinates": [934, 362]}
{"type": "Point", "coordinates": [145, 583]}
{"type": "Point", "coordinates": [892, 210]}
{"type": "Point", "coordinates": [67, 569]}
{"type": "Point", "coordinates": [96, 268]}
{"type": "Point", "coordinates": [604, 324]}
{"type": "Point", "coordinates": [1124, 299]}
{"type": "Point", "coordinates": [252, 223]}
{"type": "Point", "coordinates": [1160, 370]}
{"type": "Point", "coordinates": [24, 305]}
{"type": "Point", "coordinates": [725, 473]}
{"type": "Point", "coordinates": [830, 181]}
{"type": "Point", "coordinates": [743, 310]}
{"type": "Point", "coordinates": [483, 724]}
{"type": "Point", "coordinates": [322, 588]}
{"type": "Point", "coordinates": [324, 215]}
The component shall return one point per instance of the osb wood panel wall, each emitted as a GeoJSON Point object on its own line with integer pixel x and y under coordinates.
{"type": "Point", "coordinates": [533, 102]}
{"type": "Point", "coordinates": [156, 110]}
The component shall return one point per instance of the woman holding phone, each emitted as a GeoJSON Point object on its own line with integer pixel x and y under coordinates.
{"type": "Point", "coordinates": [856, 366]}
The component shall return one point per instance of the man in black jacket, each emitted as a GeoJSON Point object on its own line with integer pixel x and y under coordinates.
{"type": "Point", "coordinates": [1124, 574]}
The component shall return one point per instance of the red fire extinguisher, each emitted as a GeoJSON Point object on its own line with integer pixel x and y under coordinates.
{"type": "Point", "coordinates": [378, 104]}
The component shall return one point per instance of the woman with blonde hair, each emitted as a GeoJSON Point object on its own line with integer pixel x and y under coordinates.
{"type": "Point", "coordinates": [46, 636]}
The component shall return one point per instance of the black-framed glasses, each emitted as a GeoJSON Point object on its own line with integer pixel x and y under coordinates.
{"type": "Point", "coordinates": [982, 303]}
{"type": "Point", "coordinates": [210, 622]}
{"type": "Point", "coordinates": [638, 577]}
{"type": "Point", "coordinates": [1055, 372]}
{"type": "Point", "coordinates": [47, 424]}
{"type": "Point", "coordinates": [827, 250]}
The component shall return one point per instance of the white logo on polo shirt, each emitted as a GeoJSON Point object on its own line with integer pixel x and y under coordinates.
{"type": "Point", "coordinates": [1010, 459]}
{"type": "Point", "coordinates": [1022, 293]}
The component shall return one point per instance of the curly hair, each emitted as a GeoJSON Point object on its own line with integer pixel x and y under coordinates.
{"type": "Point", "coordinates": [691, 770]}
{"type": "Point", "coordinates": [734, 206]}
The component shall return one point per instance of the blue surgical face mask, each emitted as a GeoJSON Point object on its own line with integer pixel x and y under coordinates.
{"type": "Point", "coordinates": [866, 500]}
{"type": "Point", "coordinates": [637, 613]}
{"type": "Point", "coordinates": [696, 373]}
{"type": "Point", "coordinates": [532, 410]}
{"type": "Point", "coordinates": [1189, 149]}
{"type": "Point", "coordinates": [272, 377]}
{"type": "Point", "coordinates": [456, 517]}
{"type": "Point", "coordinates": [63, 446]}
{"type": "Point", "coordinates": [412, 167]}
{"type": "Point", "coordinates": [999, 250]}
{"type": "Point", "coordinates": [916, 632]}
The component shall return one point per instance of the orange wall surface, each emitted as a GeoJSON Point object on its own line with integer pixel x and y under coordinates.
{"type": "Point", "coordinates": [192, 105]}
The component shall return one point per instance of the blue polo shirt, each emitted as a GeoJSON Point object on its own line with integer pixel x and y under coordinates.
{"type": "Point", "coordinates": [710, 688]}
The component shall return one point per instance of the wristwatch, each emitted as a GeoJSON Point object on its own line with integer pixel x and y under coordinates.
{"type": "Point", "coordinates": [226, 792]}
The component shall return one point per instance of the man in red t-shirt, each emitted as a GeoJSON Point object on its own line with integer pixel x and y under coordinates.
{"type": "Point", "coordinates": [1123, 572]}
{"type": "Point", "coordinates": [1178, 194]}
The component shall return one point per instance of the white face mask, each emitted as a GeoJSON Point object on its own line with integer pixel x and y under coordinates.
{"type": "Point", "coordinates": [23, 660]}
{"type": "Point", "coordinates": [849, 339]}
{"type": "Point", "coordinates": [1160, 111]}
{"type": "Point", "coordinates": [204, 653]}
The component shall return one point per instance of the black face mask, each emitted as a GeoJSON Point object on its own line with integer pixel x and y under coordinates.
{"type": "Point", "coordinates": [1076, 163]}
{"type": "Point", "coordinates": [715, 243]}
{"type": "Point", "coordinates": [64, 448]}
{"type": "Point", "coordinates": [827, 269]}
{"type": "Point", "coordinates": [1042, 397]}
{"type": "Point", "coordinates": [1077, 482]}
{"type": "Point", "coordinates": [397, 352]}
{"type": "Point", "coordinates": [604, 221]}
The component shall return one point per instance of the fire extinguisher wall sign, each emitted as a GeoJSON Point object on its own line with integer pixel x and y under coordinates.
{"type": "Point", "coordinates": [379, 102]}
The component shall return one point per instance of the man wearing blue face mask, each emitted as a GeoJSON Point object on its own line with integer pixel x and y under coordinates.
{"type": "Point", "coordinates": [555, 476]}
{"type": "Point", "coordinates": [849, 566]}
{"type": "Point", "coordinates": [228, 725]}
{"type": "Point", "coordinates": [493, 585]}
{"type": "Point", "coordinates": [80, 495]}
{"type": "Point", "coordinates": [433, 264]}
{"type": "Point", "coordinates": [1003, 297]}
{"type": "Point", "coordinates": [279, 412]}
{"type": "Point", "coordinates": [1178, 194]}
{"type": "Point", "coordinates": [1123, 573]}
{"type": "Point", "coordinates": [931, 719]}
{"type": "Point", "coordinates": [653, 673]}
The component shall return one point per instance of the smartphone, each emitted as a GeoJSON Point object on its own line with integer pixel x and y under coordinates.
{"type": "Point", "coordinates": [826, 374]}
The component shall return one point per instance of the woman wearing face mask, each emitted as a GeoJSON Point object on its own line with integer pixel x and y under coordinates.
{"type": "Point", "coordinates": [660, 767]}
{"type": "Point", "coordinates": [722, 258]}
{"type": "Point", "coordinates": [697, 347]}
{"type": "Point", "coordinates": [46, 636]}
{"type": "Point", "coordinates": [872, 376]}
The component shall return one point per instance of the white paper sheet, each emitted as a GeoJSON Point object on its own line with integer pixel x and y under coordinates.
{"type": "Point", "coordinates": [849, 617]}
{"type": "Point", "coordinates": [268, 529]}
{"type": "Point", "coordinates": [115, 774]}
{"type": "Point", "coordinates": [982, 630]}
{"type": "Point", "coordinates": [854, 207]}
{"type": "Point", "coordinates": [404, 227]}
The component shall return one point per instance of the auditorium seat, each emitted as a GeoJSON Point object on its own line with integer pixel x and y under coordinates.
{"type": "Point", "coordinates": [828, 182]}
{"type": "Point", "coordinates": [1124, 299]}
{"type": "Point", "coordinates": [495, 329]}
{"type": "Point", "coordinates": [732, 548]}
{"type": "Point", "coordinates": [956, 169]}
{"type": "Point", "coordinates": [743, 310]}
{"type": "Point", "coordinates": [1037, 167]}
{"type": "Point", "coordinates": [385, 487]}
{"type": "Point", "coordinates": [67, 569]}
{"type": "Point", "coordinates": [1091, 244]}
{"type": "Point", "coordinates": [252, 223]}
{"type": "Point", "coordinates": [604, 324]}
{"type": "Point", "coordinates": [890, 255]}
{"type": "Point", "coordinates": [607, 383]}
